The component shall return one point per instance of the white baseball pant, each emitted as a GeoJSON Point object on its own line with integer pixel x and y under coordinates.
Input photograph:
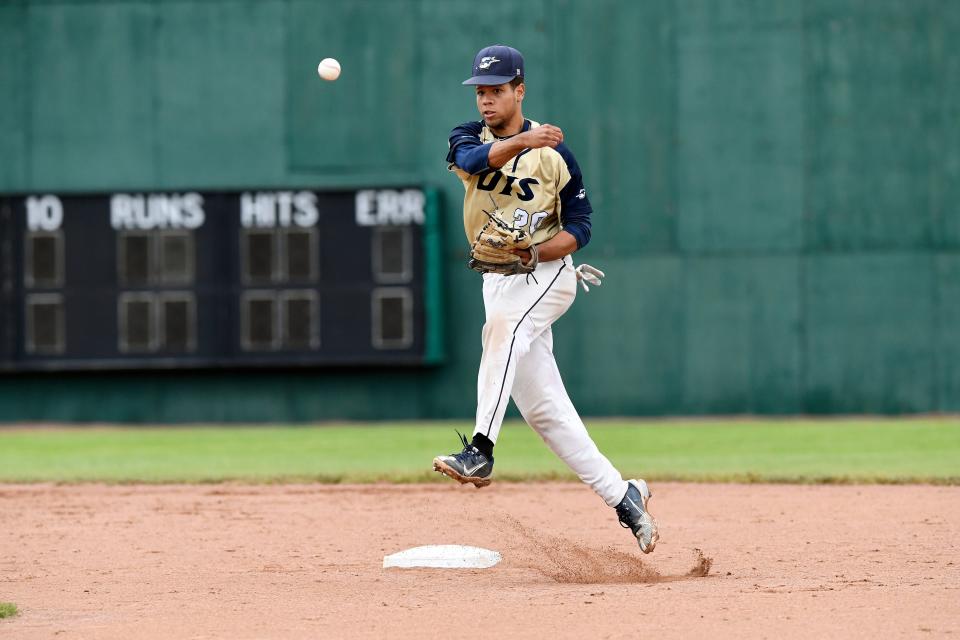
{"type": "Point", "coordinates": [518, 361]}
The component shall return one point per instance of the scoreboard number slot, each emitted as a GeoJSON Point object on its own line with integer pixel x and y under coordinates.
{"type": "Point", "coordinates": [43, 259]}
{"type": "Point", "coordinates": [392, 312]}
{"type": "Point", "coordinates": [44, 323]}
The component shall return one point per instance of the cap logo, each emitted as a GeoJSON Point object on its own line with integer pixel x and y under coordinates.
{"type": "Point", "coordinates": [486, 61]}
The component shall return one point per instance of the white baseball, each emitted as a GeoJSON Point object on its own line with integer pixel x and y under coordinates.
{"type": "Point", "coordinates": [329, 69]}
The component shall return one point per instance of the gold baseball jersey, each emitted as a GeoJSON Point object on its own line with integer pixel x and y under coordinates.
{"type": "Point", "coordinates": [538, 190]}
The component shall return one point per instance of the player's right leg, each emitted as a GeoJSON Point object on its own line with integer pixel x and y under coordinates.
{"type": "Point", "coordinates": [543, 401]}
{"type": "Point", "coordinates": [469, 466]}
{"type": "Point", "coordinates": [517, 309]}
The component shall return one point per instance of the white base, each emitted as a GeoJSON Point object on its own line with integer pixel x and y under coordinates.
{"type": "Point", "coordinates": [443, 556]}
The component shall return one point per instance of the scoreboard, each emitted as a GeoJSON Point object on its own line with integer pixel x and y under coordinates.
{"type": "Point", "coordinates": [220, 279]}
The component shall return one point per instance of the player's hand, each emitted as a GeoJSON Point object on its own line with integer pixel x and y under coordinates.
{"type": "Point", "coordinates": [587, 274]}
{"type": "Point", "coordinates": [546, 135]}
{"type": "Point", "coordinates": [524, 254]}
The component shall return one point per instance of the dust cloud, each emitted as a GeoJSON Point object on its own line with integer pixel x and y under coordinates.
{"type": "Point", "coordinates": [569, 562]}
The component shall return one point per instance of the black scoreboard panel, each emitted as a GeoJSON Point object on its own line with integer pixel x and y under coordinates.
{"type": "Point", "coordinates": [191, 279]}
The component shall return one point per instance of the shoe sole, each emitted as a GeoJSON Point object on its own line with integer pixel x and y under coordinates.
{"type": "Point", "coordinates": [655, 536]}
{"type": "Point", "coordinates": [447, 470]}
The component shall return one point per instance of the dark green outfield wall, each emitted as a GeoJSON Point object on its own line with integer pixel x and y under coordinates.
{"type": "Point", "coordinates": [776, 183]}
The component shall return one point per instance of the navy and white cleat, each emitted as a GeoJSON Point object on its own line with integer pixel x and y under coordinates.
{"type": "Point", "coordinates": [467, 466]}
{"type": "Point", "coordinates": [633, 515]}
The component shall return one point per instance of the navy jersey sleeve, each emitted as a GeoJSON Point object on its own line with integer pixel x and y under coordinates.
{"type": "Point", "coordinates": [575, 207]}
{"type": "Point", "coordinates": [466, 151]}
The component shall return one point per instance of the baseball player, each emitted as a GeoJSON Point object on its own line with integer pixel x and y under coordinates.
{"type": "Point", "coordinates": [525, 212]}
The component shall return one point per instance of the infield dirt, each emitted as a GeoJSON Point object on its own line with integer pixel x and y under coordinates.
{"type": "Point", "coordinates": [304, 561]}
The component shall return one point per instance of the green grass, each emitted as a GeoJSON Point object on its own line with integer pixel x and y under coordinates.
{"type": "Point", "coordinates": [7, 610]}
{"type": "Point", "coordinates": [861, 450]}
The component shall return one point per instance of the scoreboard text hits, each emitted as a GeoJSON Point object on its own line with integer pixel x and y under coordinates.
{"type": "Point", "coordinates": [271, 277]}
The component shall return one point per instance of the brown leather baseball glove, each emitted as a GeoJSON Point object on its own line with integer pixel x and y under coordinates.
{"type": "Point", "coordinates": [492, 250]}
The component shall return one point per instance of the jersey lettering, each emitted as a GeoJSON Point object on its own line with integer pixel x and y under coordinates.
{"type": "Point", "coordinates": [506, 189]}
{"type": "Point", "coordinates": [536, 219]}
{"type": "Point", "coordinates": [488, 185]}
{"type": "Point", "coordinates": [520, 218]}
{"type": "Point", "coordinates": [490, 180]}
{"type": "Point", "coordinates": [526, 193]}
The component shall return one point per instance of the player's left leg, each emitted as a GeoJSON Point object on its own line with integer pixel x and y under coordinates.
{"type": "Point", "coordinates": [543, 401]}
{"type": "Point", "coordinates": [540, 395]}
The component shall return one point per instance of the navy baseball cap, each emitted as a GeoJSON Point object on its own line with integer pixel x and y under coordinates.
{"type": "Point", "coordinates": [496, 65]}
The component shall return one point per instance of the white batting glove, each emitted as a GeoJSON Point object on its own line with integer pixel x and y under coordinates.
{"type": "Point", "coordinates": [587, 274]}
